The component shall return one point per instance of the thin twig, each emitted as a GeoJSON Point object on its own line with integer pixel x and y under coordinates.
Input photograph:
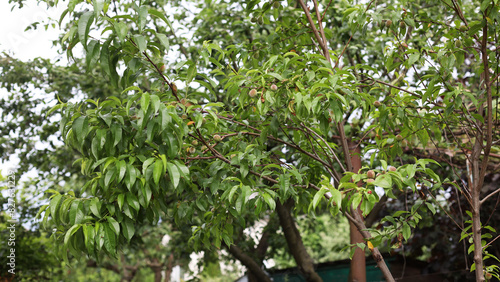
{"type": "Point", "coordinates": [490, 195]}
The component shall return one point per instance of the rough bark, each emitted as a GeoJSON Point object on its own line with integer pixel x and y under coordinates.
{"type": "Point", "coordinates": [294, 240]}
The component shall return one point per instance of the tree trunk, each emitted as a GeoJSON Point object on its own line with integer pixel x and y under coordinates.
{"type": "Point", "coordinates": [250, 263]}
{"type": "Point", "coordinates": [156, 266]}
{"type": "Point", "coordinates": [357, 271]}
{"type": "Point", "coordinates": [294, 241]}
{"type": "Point", "coordinates": [170, 266]}
{"type": "Point", "coordinates": [475, 182]}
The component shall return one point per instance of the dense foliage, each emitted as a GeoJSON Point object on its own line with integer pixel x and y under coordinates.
{"type": "Point", "coordinates": [214, 114]}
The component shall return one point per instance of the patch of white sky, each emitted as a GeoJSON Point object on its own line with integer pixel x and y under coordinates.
{"type": "Point", "coordinates": [23, 44]}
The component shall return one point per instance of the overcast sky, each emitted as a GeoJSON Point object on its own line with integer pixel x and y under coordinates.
{"type": "Point", "coordinates": [26, 45]}
{"type": "Point", "coordinates": [30, 44]}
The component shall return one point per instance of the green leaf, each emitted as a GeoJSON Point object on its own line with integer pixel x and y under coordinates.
{"type": "Point", "coordinates": [157, 171]}
{"type": "Point", "coordinates": [384, 181]}
{"type": "Point", "coordinates": [318, 196]}
{"type": "Point", "coordinates": [132, 176]}
{"type": "Point", "coordinates": [128, 228]}
{"type": "Point", "coordinates": [116, 131]}
{"type": "Point", "coordinates": [474, 27]}
{"type": "Point", "coordinates": [115, 226]}
{"type": "Point", "coordinates": [140, 41]}
{"type": "Point", "coordinates": [406, 231]}
{"type": "Point", "coordinates": [336, 197]}
{"type": "Point", "coordinates": [121, 166]}
{"type": "Point", "coordinates": [143, 14]}
{"type": "Point", "coordinates": [485, 4]}
{"type": "Point", "coordinates": [191, 72]}
{"type": "Point", "coordinates": [84, 27]}
{"type": "Point", "coordinates": [76, 214]}
{"type": "Point", "coordinates": [269, 201]}
{"type": "Point", "coordinates": [431, 207]}
{"type": "Point", "coordinates": [120, 199]}
{"type": "Point", "coordinates": [146, 164]}
{"type": "Point", "coordinates": [80, 128]}
{"type": "Point", "coordinates": [163, 40]}
{"type": "Point", "coordinates": [93, 51]}
{"type": "Point", "coordinates": [109, 238]}
{"type": "Point", "coordinates": [70, 233]}
{"type": "Point", "coordinates": [95, 207]}
{"type": "Point", "coordinates": [174, 174]}
{"type": "Point", "coordinates": [54, 206]}
{"type": "Point", "coordinates": [121, 30]}
{"type": "Point", "coordinates": [132, 201]}
{"type": "Point", "coordinates": [161, 16]}
{"type": "Point", "coordinates": [413, 58]}
{"type": "Point", "coordinates": [410, 170]}
{"type": "Point", "coordinates": [89, 235]}
{"type": "Point", "coordinates": [98, 6]}
{"type": "Point", "coordinates": [145, 101]}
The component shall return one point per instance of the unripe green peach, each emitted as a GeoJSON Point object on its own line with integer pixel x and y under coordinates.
{"type": "Point", "coordinates": [404, 44]}
{"type": "Point", "coordinates": [391, 168]}
{"type": "Point", "coordinates": [254, 19]}
{"type": "Point", "coordinates": [462, 28]}
{"type": "Point", "coordinates": [370, 174]}
{"type": "Point", "coordinates": [399, 137]}
{"type": "Point", "coordinates": [377, 104]}
{"type": "Point", "coordinates": [184, 116]}
{"type": "Point", "coordinates": [252, 93]}
{"type": "Point", "coordinates": [388, 23]}
{"type": "Point", "coordinates": [458, 43]}
{"type": "Point", "coordinates": [203, 148]}
{"type": "Point", "coordinates": [192, 150]}
{"type": "Point", "coordinates": [194, 143]}
{"type": "Point", "coordinates": [274, 87]}
{"type": "Point", "coordinates": [276, 4]}
{"type": "Point", "coordinates": [217, 138]}
{"type": "Point", "coordinates": [369, 180]}
{"type": "Point", "coordinates": [402, 24]}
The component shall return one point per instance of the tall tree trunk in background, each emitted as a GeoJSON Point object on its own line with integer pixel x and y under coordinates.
{"type": "Point", "coordinates": [357, 271]}
{"type": "Point", "coordinates": [170, 266]}
{"type": "Point", "coordinates": [294, 241]}
{"type": "Point", "coordinates": [156, 266]}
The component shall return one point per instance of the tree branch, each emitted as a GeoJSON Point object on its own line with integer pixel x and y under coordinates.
{"type": "Point", "coordinates": [247, 261]}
